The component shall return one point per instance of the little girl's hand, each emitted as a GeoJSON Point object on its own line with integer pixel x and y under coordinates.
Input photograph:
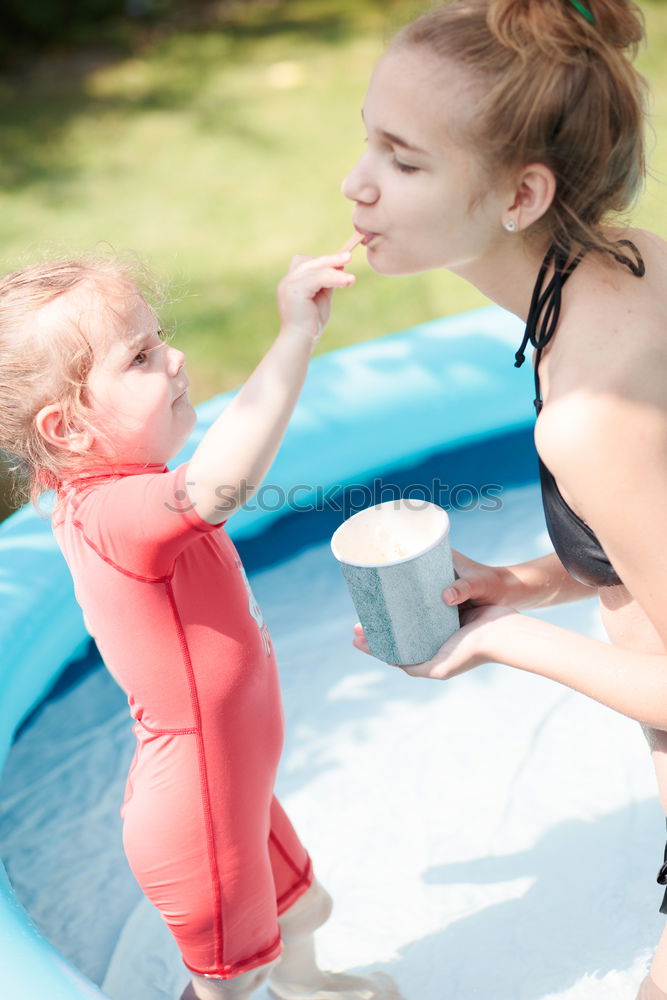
{"type": "Point", "coordinates": [466, 648]}
{"type": "Point", "coordinates": [305, 293]}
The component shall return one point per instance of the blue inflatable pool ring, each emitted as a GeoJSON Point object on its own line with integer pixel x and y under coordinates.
{"type": "Point", "coordinates": [383, 404]}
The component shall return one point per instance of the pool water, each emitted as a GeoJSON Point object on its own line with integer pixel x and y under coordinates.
{"type": "Point", "coordinates": [493, 836]}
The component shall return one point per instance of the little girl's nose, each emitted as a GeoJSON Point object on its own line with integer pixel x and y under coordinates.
{"type": "Point", "coordinates": [176, 360]}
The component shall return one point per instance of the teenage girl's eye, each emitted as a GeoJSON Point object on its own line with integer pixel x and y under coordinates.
{"type": "Point", "coordinates": [405, 168]}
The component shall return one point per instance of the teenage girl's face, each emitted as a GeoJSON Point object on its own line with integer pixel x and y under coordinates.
{"type": "Point", "coordinates": [414, 187]}
{"type": "Point", "coordinates": [137, 387]}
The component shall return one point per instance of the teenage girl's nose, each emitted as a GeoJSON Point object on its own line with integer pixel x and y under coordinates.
{"type": "Point", "coordinates": [358, 185]}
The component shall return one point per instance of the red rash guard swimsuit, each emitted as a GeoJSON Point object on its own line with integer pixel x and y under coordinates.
{"type": "Point", "coordinates": [166, 598]}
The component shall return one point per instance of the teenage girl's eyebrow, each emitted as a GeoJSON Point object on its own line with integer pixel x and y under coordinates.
{"type": "Point", "coordinates": [396, 140]}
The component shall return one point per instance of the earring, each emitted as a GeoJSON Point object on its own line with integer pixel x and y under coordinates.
{"type": "Point", "coordinates": [510, 226]}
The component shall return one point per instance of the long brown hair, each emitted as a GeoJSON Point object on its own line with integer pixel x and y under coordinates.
{"type": "Point", "coordinates": [554, 88]}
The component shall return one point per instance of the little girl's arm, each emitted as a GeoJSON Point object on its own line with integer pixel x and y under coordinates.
{"type": "Point", "coordinates": [237, 451]}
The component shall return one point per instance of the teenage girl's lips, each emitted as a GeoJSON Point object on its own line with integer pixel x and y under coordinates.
{"type": "Point", "coordinates": [368, 236]}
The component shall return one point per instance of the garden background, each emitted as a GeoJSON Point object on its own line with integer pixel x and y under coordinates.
{"type": "Point", "coordinates": [211, 140]}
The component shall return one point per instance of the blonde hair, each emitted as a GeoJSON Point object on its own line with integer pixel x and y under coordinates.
{"type": "Point", "coordinates": [42, 364]}
{"type": "Point", "coordinates": [551, 88]}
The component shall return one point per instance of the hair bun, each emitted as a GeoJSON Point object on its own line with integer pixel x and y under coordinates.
{"type": "Point", "coordinates": [559, 27]}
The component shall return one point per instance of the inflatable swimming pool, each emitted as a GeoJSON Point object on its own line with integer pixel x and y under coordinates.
{"type": "Point", "coordinates": [368, 408]}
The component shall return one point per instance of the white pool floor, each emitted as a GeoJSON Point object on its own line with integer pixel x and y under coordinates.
{"type": "Point", "coordinates": [496, 836]}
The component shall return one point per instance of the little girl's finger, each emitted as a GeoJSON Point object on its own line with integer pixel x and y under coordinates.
{"type": "Point", "coordinates": [297, 260]}
{"type": "Point", "coordinates": [311, 282]}
{"type": "Point", "coordinates": [338, 259]}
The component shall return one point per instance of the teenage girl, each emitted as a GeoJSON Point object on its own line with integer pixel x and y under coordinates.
{"type": "Point", "coordinates": [504, 137]}
{"type": "Point", "coordinates": [94, 404]}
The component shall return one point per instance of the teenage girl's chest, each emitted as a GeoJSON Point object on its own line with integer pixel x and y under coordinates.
{"type": "Point", "coordinates": [625, 622]}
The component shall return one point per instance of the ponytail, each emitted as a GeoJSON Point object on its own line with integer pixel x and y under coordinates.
{"type": "Point", "coordinates": [563, 27]}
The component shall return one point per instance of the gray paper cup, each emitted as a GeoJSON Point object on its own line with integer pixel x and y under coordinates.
{"type": "Point", "coordinates": [396, 560]}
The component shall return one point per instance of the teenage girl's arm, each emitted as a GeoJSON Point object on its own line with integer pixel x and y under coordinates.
{"type": "Point", "coordinates": [537, 583]}
{"type": "Point", "coordinates": [617, 475]}
{"type": "Point", "coordinates": [235, 454]}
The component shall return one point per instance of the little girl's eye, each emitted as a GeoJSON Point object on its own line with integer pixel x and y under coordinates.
{"type": "Point", "coordinates": [140, 358]}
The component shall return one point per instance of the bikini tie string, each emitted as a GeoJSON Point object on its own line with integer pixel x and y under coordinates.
{"type": "Point", "coordinates": [544, 311]}
{"type": "Point", "coordinates": [545, 305]}
{"type": "Point", "coordinates": [661, 878]}
{"type": "Point", "coordinates": [637, 265]}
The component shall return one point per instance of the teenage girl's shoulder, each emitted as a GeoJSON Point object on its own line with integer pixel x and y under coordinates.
{"type": "Point", "coordinates": [653, 250]}
{"type": "Point", "coordinates": [612, 338]}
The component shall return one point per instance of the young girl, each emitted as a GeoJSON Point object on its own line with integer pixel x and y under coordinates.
{"type": "Point", "coordinates": [94, 404]}
{"type": "Point", "coordinates": [503, 135]}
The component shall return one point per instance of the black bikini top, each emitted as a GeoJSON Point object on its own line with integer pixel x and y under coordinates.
{"type": "Point", "coordinates": [575, 543]}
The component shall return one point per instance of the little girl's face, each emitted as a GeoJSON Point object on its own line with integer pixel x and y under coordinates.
{"type": "Point", "coordinates": [414, 186]}
{"type": "Point", "coordinates": [137, 387]}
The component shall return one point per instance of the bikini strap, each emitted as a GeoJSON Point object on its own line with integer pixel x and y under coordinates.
{"type": "Point", "coordinates": [544, 311]}
{"type": "Point", "coordinates": [637, 265]}
{"type": "Point", "coordinates": [545, 305]}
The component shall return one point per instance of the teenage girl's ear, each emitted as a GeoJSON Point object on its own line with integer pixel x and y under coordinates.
{"type": "Point", "coordinates": [54, 428]}
{"type": "Point", "coordinates": [533, 194]}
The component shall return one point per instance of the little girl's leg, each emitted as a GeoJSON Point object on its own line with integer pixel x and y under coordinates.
{"type": "Point", "coordinates": [297, 976]}
{"type": "Point", "coordinates": [239, 988]}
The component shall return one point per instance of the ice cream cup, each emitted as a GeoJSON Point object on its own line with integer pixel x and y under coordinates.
{"type": "Point", "coordinates": [396, 560]}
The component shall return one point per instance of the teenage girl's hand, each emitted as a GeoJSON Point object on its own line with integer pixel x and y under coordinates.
{"type": "Point", "coordinates": [465, 649]}
{"type": "Point", "coordinates": [476, 584]}
{"type": "Point", "coordinates": [305, 293]}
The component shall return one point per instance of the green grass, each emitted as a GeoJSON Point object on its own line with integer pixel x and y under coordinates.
{"type": "Point", "coordinates": [215, 152]}
{"type": "Point", "coordinates": [215, 155]}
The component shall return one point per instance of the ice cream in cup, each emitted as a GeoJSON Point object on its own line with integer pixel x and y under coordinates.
{"type": "Point", "coordinates": [396, 560]}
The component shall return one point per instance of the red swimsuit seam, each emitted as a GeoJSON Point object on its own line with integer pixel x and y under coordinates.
{"type": "Point", "coordinates": [110, 562]}
{"type": "Point", "coordinates": [290, 897]}
{"type": "Point", "coordinates": [246, 966]}
{"type": "Point", "coordinates": [166, 732]}
{"type": "Point", "coordinates": [205, 527]}
{"type": "Point", "coordinates": [210, 840]}
{"type": "Point", "coordinates": [279, 846]}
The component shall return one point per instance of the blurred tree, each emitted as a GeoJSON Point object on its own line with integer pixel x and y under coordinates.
{"type": "Point", "coordinates": [26, 28]}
